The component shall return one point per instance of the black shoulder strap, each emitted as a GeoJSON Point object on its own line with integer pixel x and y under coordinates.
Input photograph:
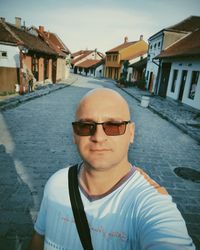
{"type": "Point", "coordinates": [78, 209]}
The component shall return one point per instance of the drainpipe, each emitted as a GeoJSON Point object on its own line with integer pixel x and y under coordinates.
{"type": "Point", "coordinates": [21, 86]}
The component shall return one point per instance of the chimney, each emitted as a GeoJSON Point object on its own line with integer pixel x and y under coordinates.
{"type": "Point", "coordinates": [95, 55]}
{"type": "Point", "coordinates": [18, 22]}
{"type": "Point", "coordinates": [2, 19]}
{"type": "Point", "coordinates": [141, 37]}
{"type": "Point", "coordinates": [125, 39]}
{"type": "Point", "coordinates": [41, 29]}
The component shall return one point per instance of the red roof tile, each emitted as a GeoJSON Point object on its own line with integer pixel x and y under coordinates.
{"type": "Point", "coordinates": [10, 33]}
{"type": "Point", "coordinates": [80, 55]}
{"type": "Point", "coordinates": [80, 52]}
{"type": "Point", "coordinates": [57, 41]}
{"type": "Point", "coordinates": [88, 63]}
{"type": "Point", "coordinates": [188, 46]}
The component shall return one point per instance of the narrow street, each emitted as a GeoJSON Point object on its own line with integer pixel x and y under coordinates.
{"type": "Point", "coordinates": [36, 140]}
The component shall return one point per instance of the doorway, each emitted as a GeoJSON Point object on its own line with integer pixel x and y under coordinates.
{"type": "Point", "coordinates": [151, 78]}
{"type": "Point", "coordinates": [166, 67]}
{"type": "Point", "coordinates": [182, 87]}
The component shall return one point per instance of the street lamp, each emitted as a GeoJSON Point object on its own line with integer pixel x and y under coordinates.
{"type": "Point", "coordinates": [22, 50]}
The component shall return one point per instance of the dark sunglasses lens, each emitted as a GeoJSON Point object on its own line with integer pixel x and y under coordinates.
{"type": "Point", "coordinates": [83, 129]}
{"type": "Point", "coordinates": [113, 129]}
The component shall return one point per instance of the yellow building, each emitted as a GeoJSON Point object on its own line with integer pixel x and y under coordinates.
{"type": "Point", "coordinates": [127, 51]}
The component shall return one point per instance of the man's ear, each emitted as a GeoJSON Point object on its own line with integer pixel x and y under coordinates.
{"type": "Point", "coordinates": [132, 132]}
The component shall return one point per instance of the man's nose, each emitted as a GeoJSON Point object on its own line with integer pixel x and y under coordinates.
{"type": "Point", "coordinates": [99, 134]}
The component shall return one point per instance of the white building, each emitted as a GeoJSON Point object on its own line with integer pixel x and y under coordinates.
{"type": "Point", "coordinates": [9, 67]}
{"type": "Point", "coordinates": [84, 59]}
{"type": "Point", "coordinates": [183, 70]}
{"type": "Point", "coordinates": [160, 42]}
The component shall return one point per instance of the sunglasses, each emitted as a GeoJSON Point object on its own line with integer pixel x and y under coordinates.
{"type": "Point", "coordinates": [89, 128]}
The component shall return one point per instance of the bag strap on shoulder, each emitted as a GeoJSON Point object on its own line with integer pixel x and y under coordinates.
{"type": "Point", "coordinates": [78, 209]}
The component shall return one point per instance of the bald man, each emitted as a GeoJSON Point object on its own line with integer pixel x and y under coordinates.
{"type": "Point", "coordinates": [125, 209]}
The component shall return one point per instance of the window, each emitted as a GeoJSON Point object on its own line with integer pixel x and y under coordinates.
{"type": "Point", "coordinates": [155, 45]}
{"type": "Point", "coordinates": [114, 58]}
{"type": "Point", "coordinates": [175, 74]}
{"type": "Point", "coordinates": [147, 75]}
{"type": "Point", "coordinates": [108, 58]}
{"type": "Point", "coordinates": [193, 84]}
{"type": "Point", "coordinates": [3, 54]}
{"type": "Point", "coordinates": [159, 45]}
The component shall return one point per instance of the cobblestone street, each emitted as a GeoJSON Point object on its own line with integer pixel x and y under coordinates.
{"type": "Point", "coordinates": [36, 140]}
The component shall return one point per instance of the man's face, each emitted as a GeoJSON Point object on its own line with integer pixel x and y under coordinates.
{"type": "Point", "coordinates": [101, 151]}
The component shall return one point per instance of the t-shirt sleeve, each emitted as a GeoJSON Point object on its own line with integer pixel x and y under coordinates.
{"type": "Point", "coordinates": [162, 226]}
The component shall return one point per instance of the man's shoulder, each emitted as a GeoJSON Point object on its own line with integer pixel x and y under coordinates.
{"type": "Point", "coordinates": [57, 180]}
{"type": "Point", "coordinates": [149, 183]}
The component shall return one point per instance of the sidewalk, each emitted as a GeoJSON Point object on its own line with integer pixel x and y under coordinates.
{"type": "Point", "coordinates": [182, 116]}
{"type": "Point", "coordinates": [7, 102]}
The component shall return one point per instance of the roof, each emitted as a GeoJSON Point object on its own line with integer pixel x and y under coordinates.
{"type": "Point", "coordinates": [188, 46]}
{"type": "Point", "coordinates": [5, 35]}
{"type": "Point", "coordinates": [18, 36]}
{"type": "Point", "coordinates": [88, 63]}
{"type": "Point", "coordinates": [51, 39]}
{"type": "Point", "coordinates": [80, 55]}
{"type": "Point", "coordinates": [80, 52]}
{"type": "Point", "coordinates": [45, 36]}
{"type": "Point", "coordinates": [189, 24]}
{"type": "Point", "coordinates": [121, 46]}
{"type": "Point", "coordinates": [140, 64]}
{"type": "Point", "coordinates": [58, 42]}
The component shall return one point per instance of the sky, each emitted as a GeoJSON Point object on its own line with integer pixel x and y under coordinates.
{"type": "Point", "coordinates": [102, 24]}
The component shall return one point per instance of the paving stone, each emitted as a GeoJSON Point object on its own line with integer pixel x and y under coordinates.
{"type": "Point", "coordinates": [41, 140]}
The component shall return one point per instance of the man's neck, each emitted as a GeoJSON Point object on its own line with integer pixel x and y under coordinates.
{"type": "Point", "coordinates": [96, 182]}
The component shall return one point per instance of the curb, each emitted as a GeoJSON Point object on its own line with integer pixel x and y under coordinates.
{"type": "Point", "coordinates": [16, 101]}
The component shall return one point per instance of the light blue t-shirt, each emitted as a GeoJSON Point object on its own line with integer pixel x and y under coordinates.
{"type": "Point", "coordinates": [136, 214]}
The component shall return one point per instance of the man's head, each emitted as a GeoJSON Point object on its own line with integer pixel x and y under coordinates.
{"type": "Point", "coordinates": [103, 146]}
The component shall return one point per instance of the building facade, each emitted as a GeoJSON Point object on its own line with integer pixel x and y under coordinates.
{"type": "Point", "coordinates": [24, 55]}
{"type": "Point", "coordinates": [158, 43]}
{"type": "Point", "coordinates": [183, 60]}
{"type": "Point", "coordinates": [87, 62]}
{"type": "Point", "coordinates": [126, 52]}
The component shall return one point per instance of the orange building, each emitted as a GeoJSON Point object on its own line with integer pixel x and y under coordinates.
{"type": "Point", "coordinates": [126, 51]}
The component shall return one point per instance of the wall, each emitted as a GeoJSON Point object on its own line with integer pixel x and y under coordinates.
{"type": "Point", "coordinates": [155, 46]}
{"type": "Point", "coordinates": [41, 70]}
{"type": "Point", "coordinates": [189, 64]}
{"type": "Point", "coordinates": [115, 67]}
{"type": "Point", "coordinates": [60, 73]}
{"type": "Point", "coordinates": [9, 77]}
{"type": "Point", "coordinates": [171, 37]}
{"type": "Point", "coordinates": [133, 49]}
{"type": "Point", "coordinates": [27, 60]}
{"type": "Point", "coordinates": [9, 68]}
{"type": "Point", "coordinates": [12, 60]}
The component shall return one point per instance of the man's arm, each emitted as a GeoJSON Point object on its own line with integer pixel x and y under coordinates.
{"type": "Point", "coordinates": [37, 242]}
